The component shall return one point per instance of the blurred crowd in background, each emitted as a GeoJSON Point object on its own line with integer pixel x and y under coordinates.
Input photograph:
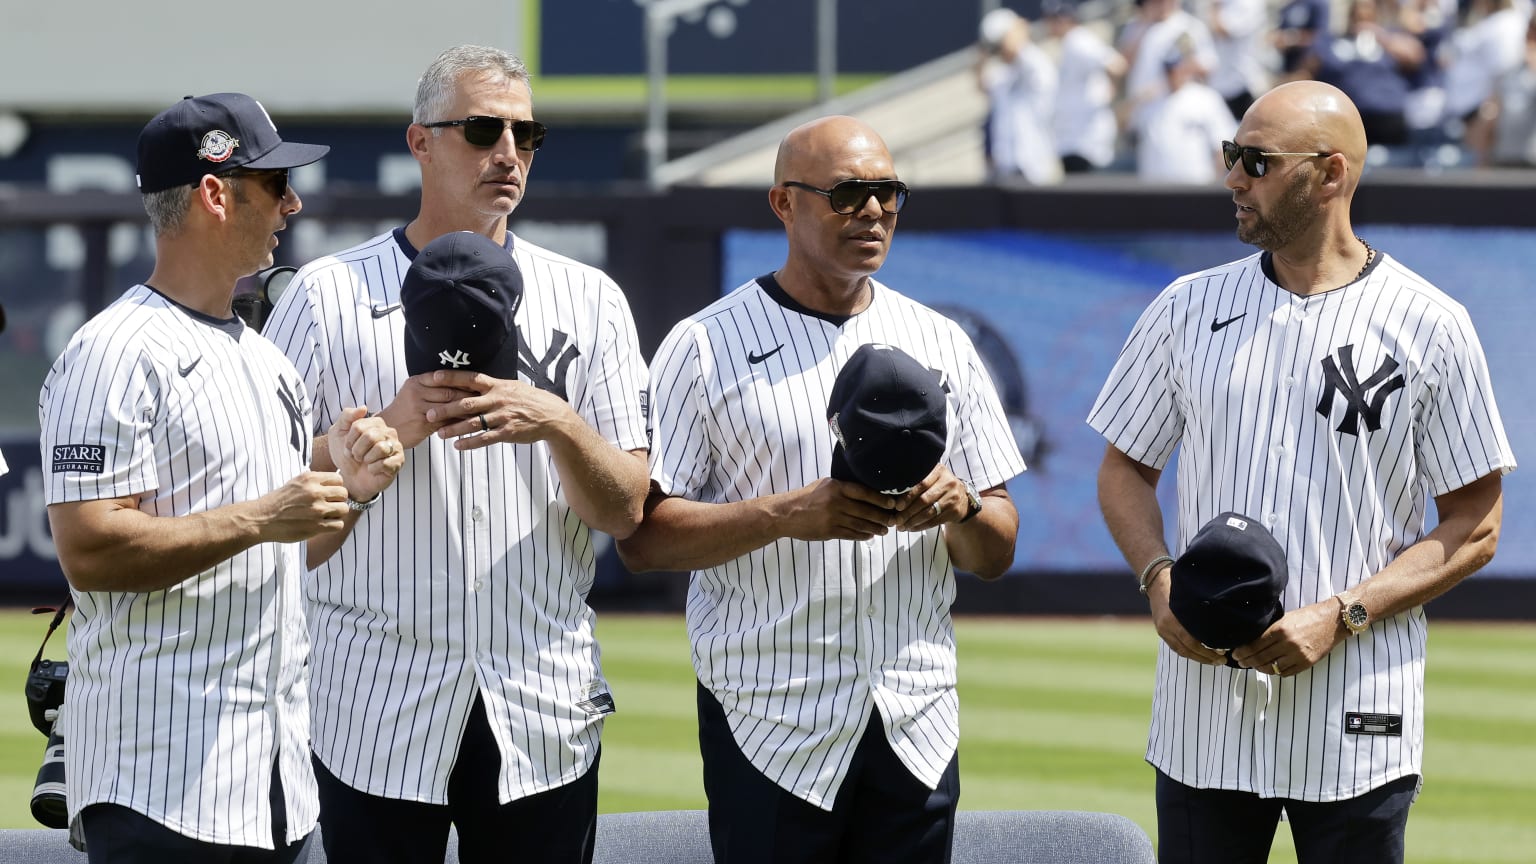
{"type": "Point", "coordinates": [1154, 87]}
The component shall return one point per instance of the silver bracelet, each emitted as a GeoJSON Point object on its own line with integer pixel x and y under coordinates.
{"type": "Point", "coordinates": [1144, 581]}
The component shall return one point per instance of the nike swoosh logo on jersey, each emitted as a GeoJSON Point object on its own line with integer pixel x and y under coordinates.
{"type": "Point", "coordinates": [379, 310]}
{"type": "Point", "coordinates": [187, 369]}
{"type": "Point", "coordinates": [755, 359]}
{"type": "Point", "coordinates": [1217, 325]}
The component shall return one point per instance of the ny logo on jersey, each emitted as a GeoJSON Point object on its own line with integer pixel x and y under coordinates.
{"type": "Point", "coordinates": [548, 372]}
{"type": "Point", "coordinates": [288, 394]}
{"type": "Point", "coordinates": [457, 359]}
{"type": "Point", "coordinates": [1342, 377]}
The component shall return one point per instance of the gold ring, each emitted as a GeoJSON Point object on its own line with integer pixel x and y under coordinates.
{"type": "Point", "coordinates": [484, 426]}
{"type": "Point", "coordinates": [1275, 667]}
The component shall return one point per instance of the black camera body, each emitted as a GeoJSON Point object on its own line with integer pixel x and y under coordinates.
{"type": "Point", "coordinates": [45, 702]}
{"type": "Point", "coordinates": [45, 692]}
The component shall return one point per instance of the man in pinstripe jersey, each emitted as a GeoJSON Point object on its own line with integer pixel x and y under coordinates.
{"type": "Point", "coordinates": [819, 609]}
{"type": "Point", "coordinates": [1325, 390]}
{"type": "Point", "coordinates": [176, 442]}
{"type": "Point", "coordinates": [456, 676]}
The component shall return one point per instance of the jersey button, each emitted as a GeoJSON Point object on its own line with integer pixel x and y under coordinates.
{"type": "Point", "coordinates": [872, 611]}
{"type": "Point", "coordinates": [476, 513]}
{"type": "Point", "coordinates": [479, 583]}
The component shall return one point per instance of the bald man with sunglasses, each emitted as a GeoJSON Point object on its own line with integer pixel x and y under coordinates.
{"type": "Point", "coordinates": [1330, 393]}
{"type": "Point", "coordinates": [819, 608]}
{"type": "Point", "coordinates": [456, 674]}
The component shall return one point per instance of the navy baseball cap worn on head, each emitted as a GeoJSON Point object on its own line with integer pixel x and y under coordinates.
{"type": "Point", "coordinates": [459, 298]}
{"type": "Point", "coordinates": [1226, 586]}
{"type": "Point", "coordinates": [213, 135]}
{"type": "Point", "coordinates": [887, 413]}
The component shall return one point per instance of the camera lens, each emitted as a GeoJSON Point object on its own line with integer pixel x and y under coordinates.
{"type": "Point", "coordinates": [48, 804]}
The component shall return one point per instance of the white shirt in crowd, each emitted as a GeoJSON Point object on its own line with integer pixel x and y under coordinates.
{"type": "Point", "coordinates": [1181, 134]}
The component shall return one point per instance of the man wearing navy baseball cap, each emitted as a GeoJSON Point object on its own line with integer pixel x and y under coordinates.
{"type": "Point", "coordinates": [215, 134]}
{"type": "Point", "coordinates": [177, 444]}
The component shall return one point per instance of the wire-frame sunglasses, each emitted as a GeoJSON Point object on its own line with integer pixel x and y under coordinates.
{"type": "Point", "coordinates": [1255, 161]}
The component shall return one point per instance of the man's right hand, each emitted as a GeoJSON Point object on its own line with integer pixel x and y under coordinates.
{"type": "Point", "coordinates": [312, 503]}
{"type": "Point", "coordinates": [408, 412]}
{"type": "Point", "coordinates": [1171, 631]}
{"type": "Point", "coordinates": [838, 510]}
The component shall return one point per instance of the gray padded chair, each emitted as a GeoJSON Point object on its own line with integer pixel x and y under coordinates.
{"type": "Point", "coordinates": [682, 837]}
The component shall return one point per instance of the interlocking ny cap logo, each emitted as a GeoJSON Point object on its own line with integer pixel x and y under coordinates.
{"type": "Point", "coordinates": [1343, 378]}
{"type": "Point", "coordinates": [457, 359]}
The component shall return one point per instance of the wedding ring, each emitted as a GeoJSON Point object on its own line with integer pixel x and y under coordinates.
{"type": "Point", "coordinates": [1275, 667]}
{"type": "Point", "coordinates": [937, 510]}
{"type": "Point", "coordinates": [484, 426]}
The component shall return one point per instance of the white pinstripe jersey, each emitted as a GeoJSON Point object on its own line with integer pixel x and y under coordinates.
{"type": "Point", "coordinates": [179, 700]}
{"type": "Point", "coordinates": [799, 640]}
{"type": "Point", "coordinates": [1334, 419]}
{"type": "Point", "coordinates": [472, 573]}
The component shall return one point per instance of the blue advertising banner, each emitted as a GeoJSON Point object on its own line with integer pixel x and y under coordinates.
{"type": "Point", "coordinates": [1050, 312]}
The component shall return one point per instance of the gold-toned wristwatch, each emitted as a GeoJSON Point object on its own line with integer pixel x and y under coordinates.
{"type": "Point", "coordinates": [1353, 613]}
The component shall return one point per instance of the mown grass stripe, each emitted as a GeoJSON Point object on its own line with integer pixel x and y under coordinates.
{"type": "Point", "coordinates": [1053, 716]}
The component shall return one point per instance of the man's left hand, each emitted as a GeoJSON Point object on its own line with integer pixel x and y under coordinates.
{"type": "Point", "coordinates": [938, 499]}
{"type": "Point", "coordinates": [501, 411]}
{"type": "Point", "coordinates": [367, 452]}
{"type": "Point", "coordinates": [1296, 642]}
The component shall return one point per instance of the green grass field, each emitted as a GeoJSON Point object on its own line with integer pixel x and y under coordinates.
{"type": "Point", "coordinates": [1053, 716]}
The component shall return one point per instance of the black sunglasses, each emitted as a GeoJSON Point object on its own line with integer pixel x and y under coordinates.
{"type": "Point", "coordinates": [850, 196]}
{"type": "Point", "coordinates": [485, 131]}
{"type": "Point", "coordinates": [1255, 161]}
{"type": "Point", "coordinates": [275, 182]}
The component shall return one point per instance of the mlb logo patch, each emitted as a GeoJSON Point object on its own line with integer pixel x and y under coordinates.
{"type": "Point", "coordinates": [85, 458]}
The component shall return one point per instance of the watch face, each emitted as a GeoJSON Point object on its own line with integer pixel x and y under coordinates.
{"type": "Point", "coordinates": [1356, 616]}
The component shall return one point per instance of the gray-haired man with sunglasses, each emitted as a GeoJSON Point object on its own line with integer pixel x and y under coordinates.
{"type": "Point", "coordinates": [1332, 395]}
{"type": "Point", "coordinates": [819, 608]}
{"type": "Point", "coordinates": [456, 675]}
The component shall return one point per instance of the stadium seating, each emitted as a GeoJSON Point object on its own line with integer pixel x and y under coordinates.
{"type": "Point", "coordinates": [682, 837]}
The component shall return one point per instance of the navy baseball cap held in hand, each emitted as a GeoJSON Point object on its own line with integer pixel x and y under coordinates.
{"type": "Point", "coordinates": [214, 135]}
{"type": "Point", "coordinates": [1226, 586]}
{"type": "Point", "coordinates": [887, 413]}
{"type": "Point", "coordinates": [459, 297]}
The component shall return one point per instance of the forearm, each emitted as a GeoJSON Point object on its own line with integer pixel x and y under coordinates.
{"type": "Point", "coordinates": [321, 547]}
{"type": "Point", "coordinates": [678, 534]}
{"type": "Point", "coordinates": [604, 485]}
{"type": "Point", "coordinates": [129, 550]}
{"type": "Point", "coordinates": [1128, 500]}
{"type": "Point", "coordinates": [984, 545]}
{"type": "Point", "coordinates": [1464, 541]}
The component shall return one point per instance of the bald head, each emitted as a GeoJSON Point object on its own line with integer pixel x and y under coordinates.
{"type": "Point", "coordinates": [1307, 116]}
{"type": "Point", "coordinates": [827, 141]}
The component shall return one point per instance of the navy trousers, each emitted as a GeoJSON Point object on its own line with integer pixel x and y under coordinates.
{"type": "Point", "coordinates": [882, 813]}
{"type": "Point", "coordinates": [1217, 826]}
